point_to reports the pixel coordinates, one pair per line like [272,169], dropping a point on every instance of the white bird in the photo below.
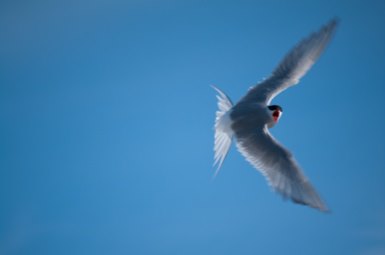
[250,119]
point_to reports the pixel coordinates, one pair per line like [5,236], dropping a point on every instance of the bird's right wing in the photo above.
[278,165]
[295,65]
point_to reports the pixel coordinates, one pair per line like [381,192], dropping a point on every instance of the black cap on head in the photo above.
[275,107]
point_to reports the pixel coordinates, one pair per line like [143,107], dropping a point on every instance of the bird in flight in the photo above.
[249,121]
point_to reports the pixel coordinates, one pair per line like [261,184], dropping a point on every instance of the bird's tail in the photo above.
[223,132]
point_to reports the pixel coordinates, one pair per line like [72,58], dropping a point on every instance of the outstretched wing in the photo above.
[278,165]
[295,64]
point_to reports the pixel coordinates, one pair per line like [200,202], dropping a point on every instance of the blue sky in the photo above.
[106,127]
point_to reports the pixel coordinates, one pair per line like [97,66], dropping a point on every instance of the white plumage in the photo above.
[249,120]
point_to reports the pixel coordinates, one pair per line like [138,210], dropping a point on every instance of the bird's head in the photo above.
[275,111]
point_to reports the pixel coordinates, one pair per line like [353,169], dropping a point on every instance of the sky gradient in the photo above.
[106,128]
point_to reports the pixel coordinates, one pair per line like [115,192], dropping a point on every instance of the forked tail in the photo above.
[223,132]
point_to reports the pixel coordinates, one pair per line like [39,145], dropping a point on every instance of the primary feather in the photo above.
[293,66]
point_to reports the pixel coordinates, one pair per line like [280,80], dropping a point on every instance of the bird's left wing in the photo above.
[278,165]
[294,65]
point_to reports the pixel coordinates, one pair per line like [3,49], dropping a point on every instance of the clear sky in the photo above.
[106,127]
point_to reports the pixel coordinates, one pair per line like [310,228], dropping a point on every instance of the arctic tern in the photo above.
[250,119]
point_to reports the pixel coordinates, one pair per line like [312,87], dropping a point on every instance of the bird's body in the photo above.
[249,121]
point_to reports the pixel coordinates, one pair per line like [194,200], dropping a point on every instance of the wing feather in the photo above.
[294,65]
[278,166]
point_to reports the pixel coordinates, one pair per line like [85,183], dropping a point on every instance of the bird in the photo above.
[249,120]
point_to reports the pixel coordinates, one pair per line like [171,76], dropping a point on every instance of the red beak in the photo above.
[276,114]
